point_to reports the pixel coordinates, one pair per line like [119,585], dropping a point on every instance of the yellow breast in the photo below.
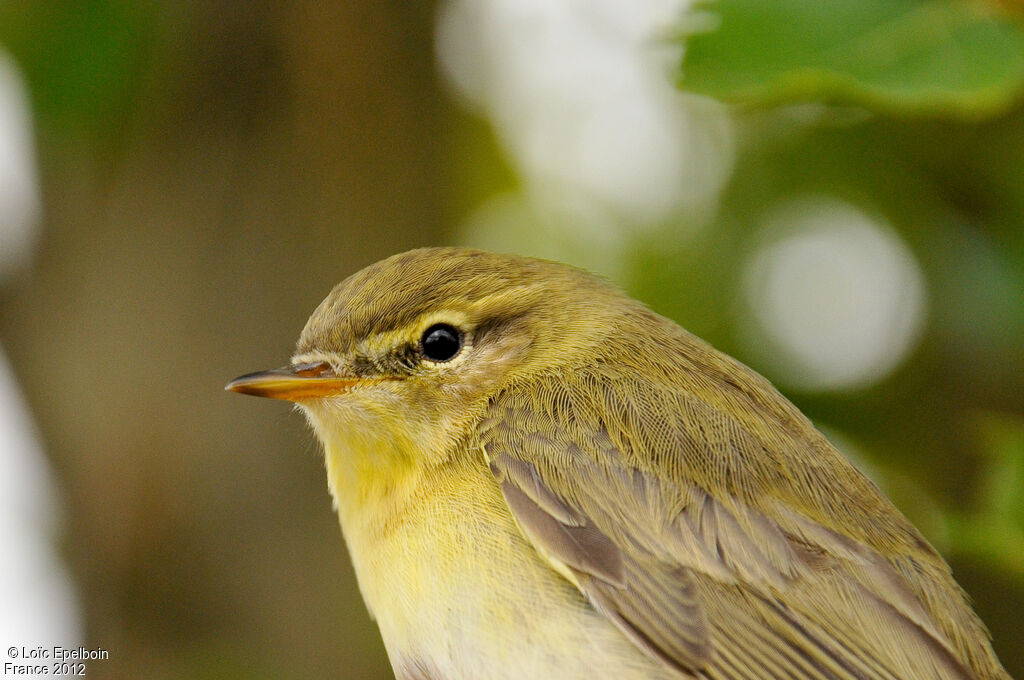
[455,587]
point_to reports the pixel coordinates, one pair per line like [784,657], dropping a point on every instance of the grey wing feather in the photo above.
[713,588]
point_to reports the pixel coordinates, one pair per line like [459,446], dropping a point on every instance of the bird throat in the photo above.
[372,481]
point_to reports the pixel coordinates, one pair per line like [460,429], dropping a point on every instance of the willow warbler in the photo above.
[539,477]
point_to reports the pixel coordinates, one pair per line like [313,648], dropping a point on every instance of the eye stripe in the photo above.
[408,356]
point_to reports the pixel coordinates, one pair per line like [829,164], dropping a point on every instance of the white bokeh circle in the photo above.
[837,298]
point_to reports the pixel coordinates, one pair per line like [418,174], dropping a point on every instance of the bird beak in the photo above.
[294,383]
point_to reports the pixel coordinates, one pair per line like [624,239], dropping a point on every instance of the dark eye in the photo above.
[441,342]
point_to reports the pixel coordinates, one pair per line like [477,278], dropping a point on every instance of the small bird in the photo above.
[539,477]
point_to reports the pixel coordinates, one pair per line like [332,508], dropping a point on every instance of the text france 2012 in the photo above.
[56,660]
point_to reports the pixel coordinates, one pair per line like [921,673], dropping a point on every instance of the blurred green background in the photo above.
[850,222]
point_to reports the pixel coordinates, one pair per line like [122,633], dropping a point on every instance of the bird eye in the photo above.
[441,342]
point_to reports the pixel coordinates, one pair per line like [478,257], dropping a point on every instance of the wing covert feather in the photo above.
[701,558]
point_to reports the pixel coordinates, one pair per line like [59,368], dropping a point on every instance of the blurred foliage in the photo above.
[86,61]
[905,56]
[995,532]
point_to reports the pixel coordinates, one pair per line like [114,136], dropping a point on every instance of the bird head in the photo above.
[404,354]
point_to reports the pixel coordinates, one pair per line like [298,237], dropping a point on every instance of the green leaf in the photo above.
[998,545]
[1002,482]
[994,530]
[899,56]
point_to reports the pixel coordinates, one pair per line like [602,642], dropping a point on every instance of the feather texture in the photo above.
[692,529]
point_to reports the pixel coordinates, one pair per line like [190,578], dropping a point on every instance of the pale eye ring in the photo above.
[441,342]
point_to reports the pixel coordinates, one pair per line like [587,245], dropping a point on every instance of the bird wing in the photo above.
[657,517]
